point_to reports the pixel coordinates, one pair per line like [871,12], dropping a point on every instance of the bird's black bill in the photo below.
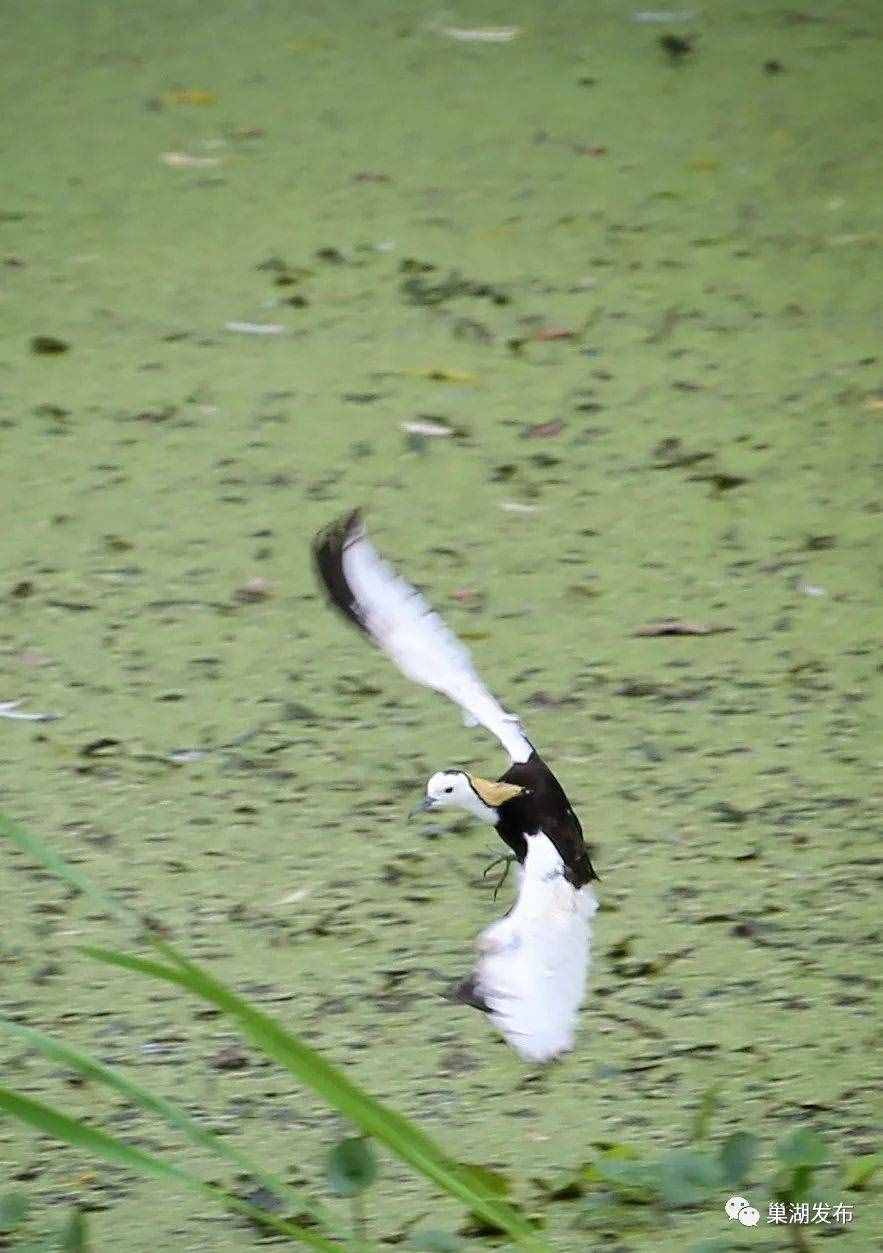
[425,806]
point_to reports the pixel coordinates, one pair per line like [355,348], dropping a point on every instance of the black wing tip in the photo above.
[336,534]
[467,993]
[328,549]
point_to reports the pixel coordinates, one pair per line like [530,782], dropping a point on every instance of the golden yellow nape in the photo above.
[494,794]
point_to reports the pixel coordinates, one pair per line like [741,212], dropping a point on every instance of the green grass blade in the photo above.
[173,1114]
[42,852]
[99,1144]
[399,1134]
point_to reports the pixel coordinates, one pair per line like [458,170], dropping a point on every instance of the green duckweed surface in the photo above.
[643,291]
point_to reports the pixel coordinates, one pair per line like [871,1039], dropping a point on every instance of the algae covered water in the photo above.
[587,316]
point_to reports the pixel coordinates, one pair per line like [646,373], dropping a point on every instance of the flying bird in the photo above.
[531,968]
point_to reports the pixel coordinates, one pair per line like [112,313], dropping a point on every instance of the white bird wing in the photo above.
[532,965]
[400,622]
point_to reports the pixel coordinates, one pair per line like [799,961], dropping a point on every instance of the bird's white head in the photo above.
[456,789]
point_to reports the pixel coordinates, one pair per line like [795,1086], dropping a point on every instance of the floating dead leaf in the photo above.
[154,415]
[543,430]
[104,747]
[722,482]
[229,1058]
[32,658]
[186,161]
[48,346]
[294,898]
[241,133]
[674,626]
[117,544]
[676,46]
[440,374]
[253,591]
[22,590]
[371,176]
[670,454]
[189,96]
[549,334]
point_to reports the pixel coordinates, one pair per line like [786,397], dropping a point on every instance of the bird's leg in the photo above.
[507,860]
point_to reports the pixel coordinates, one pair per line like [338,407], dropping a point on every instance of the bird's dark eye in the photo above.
[449,790]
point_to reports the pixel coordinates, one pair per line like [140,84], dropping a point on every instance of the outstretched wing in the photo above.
[531,971]
[400,622]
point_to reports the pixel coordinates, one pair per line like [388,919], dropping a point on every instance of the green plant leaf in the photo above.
[605,1212]
[98,1143]
[737,1153]
[398,1133]
[709,1103]
[687,1177]
[483,1179]
[352,1166]
[13,1210]
[612,1152]
[858,1173]
[803,1148]
[434,1242]
[74,1236]
[176,1117]
[567,1188]
[636,1182]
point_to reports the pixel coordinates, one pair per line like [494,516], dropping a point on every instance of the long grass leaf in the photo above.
[173,1114]
[99,1144]
[42,852]
[398,1133]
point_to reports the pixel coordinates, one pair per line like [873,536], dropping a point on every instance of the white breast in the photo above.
[533,963]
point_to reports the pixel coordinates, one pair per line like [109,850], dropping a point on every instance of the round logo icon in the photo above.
[748,1216]
[735,1205]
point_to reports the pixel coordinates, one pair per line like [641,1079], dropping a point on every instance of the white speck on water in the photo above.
[255,328]
[663,16]
[516,506]
[479,34]
[434,430]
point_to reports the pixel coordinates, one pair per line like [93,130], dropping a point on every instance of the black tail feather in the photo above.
[328,549]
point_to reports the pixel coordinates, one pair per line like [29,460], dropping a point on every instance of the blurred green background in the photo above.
[630,297]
